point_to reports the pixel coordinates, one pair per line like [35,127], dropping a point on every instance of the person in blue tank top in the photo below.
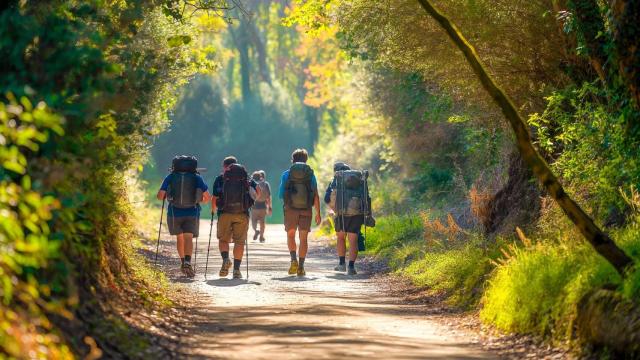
[184,223]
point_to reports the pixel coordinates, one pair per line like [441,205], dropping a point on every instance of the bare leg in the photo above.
[291,239]
[223,246]
[263,226]
[342,246]
[188,243]
[238,251]
[303,243]
[353,246]
[254,222]
[180,245]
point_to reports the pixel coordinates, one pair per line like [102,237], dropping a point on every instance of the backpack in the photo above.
[264,191]
[298,193]
[235,190]
[184,164]
[351,194]
[183,191]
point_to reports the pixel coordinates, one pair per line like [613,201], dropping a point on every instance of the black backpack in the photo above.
[235,190]
[298,192]
[183,189]
[184,163]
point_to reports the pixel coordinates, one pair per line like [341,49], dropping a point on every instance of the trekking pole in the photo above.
[195,250]
[247,250]
[155,262]
[206,265]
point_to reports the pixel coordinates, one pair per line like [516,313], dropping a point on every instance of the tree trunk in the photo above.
[241,40]
[596,237]
[591,25]
[259,45]
[626,35]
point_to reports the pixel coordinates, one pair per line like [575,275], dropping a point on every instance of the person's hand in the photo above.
[318,218]
[331,212]
[269,210]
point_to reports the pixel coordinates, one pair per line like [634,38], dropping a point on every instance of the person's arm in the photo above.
[162,193]
[283,179]
[205,190]
[254,185]
[316,199]
[316,204]
[268,200]
[205,197]
[214,196]
[327,193]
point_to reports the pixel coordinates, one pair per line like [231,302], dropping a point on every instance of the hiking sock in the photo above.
[236,264]
[293,255]
[341,260]
[352,263]
[187,259]
[301,262]
[224,254]
[182,261]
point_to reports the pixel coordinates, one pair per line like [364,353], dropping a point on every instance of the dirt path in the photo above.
[325,315]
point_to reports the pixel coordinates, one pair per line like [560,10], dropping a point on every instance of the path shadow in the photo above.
[231,282]
[184,280]
[340,276]
[295,278]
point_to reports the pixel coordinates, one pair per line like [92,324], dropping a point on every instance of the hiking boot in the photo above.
[188,270]
[301,271]
[293,269]
[237,274]
[341,267]
[255,235]
[224,270]
[352,271]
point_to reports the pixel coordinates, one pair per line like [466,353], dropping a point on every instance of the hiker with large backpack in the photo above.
[184,189]
[233,195]
[262,206]
[348,197]
[299,192]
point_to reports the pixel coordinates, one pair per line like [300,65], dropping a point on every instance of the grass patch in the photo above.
[457,270]
[537,289]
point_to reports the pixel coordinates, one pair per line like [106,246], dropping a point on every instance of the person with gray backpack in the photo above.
[262,206]
[299,192]
[348,197]
[184,189]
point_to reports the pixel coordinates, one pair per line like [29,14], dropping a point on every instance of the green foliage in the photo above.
[107,74]
[537,289]
[459,273]
[590,147]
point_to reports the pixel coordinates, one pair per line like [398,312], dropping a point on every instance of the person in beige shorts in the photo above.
[262,206]
[299,192]
[233,216]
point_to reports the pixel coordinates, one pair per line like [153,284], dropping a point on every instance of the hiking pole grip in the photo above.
[155,262]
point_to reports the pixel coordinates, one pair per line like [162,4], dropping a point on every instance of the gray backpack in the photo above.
[298,193]
[351,194]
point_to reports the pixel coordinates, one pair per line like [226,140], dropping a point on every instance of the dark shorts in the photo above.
[352,224]
[297,219]
[183,224]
